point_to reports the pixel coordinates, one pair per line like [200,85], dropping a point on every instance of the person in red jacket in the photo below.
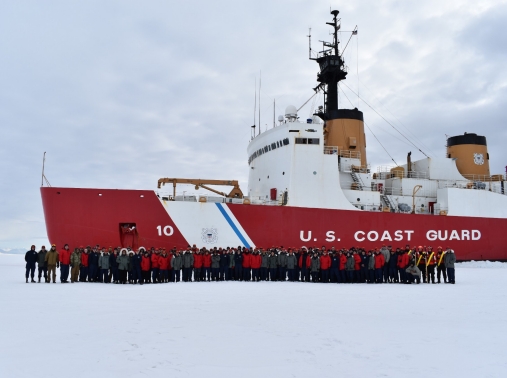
[357,266]
[197,264]
[163,266]
[83,274]
[303,265]
[325,263]
[64,257]
[255,263]
[145,268]
[154,265]
[379,264]
[206,265]
[247,265]
[343,262]
[403,261]
[309,261]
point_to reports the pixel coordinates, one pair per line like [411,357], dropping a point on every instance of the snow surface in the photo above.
[482,264]
[259,330]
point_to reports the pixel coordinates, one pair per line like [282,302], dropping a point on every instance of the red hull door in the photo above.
[137,218]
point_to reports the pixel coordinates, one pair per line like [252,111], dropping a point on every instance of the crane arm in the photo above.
[235,192]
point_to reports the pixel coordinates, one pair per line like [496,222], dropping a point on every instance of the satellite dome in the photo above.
[291,111]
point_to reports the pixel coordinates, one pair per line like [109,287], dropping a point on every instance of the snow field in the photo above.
[247,329]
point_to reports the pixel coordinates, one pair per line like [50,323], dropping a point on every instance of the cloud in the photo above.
[121,93]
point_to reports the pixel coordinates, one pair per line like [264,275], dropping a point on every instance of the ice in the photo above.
[13,250]
[259,330]
[482,264]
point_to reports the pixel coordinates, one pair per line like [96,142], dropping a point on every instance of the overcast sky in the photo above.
[121,93]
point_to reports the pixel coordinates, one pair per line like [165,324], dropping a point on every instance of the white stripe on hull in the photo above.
[204,224]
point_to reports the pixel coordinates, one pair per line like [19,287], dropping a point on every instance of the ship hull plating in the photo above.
[139,218]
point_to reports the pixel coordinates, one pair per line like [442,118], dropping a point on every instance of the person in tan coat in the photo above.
[53,262]
[75,263]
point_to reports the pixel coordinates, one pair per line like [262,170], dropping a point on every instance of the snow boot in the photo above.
[26,279]
[33,281]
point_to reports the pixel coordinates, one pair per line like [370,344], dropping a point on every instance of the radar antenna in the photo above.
[332,70]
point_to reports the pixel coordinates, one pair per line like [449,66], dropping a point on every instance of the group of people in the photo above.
[156,265]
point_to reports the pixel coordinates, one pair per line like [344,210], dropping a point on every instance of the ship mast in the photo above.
[332,70]
[343,128]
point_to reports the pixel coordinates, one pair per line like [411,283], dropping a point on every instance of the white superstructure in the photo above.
[290,166]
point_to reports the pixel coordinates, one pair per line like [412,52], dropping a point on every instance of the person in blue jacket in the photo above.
[135,260]
[93,265]
[113,265]
[363,271]
[393,266]
[224,265]
[238,265]
[335,267]
[30,258]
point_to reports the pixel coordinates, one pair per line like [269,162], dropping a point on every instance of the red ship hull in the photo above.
[99,216]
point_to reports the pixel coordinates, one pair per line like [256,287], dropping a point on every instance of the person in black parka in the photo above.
[31,259]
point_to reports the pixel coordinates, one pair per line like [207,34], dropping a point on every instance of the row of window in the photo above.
[269,147]
[307,141]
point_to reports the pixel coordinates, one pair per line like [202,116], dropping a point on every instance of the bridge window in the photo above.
[267,148]
[301,141]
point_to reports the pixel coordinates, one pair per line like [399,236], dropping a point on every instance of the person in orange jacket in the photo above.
[64,256]
[430,264]
[421,259]
[439,256]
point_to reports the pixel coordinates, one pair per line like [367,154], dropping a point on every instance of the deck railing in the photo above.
[334,150]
